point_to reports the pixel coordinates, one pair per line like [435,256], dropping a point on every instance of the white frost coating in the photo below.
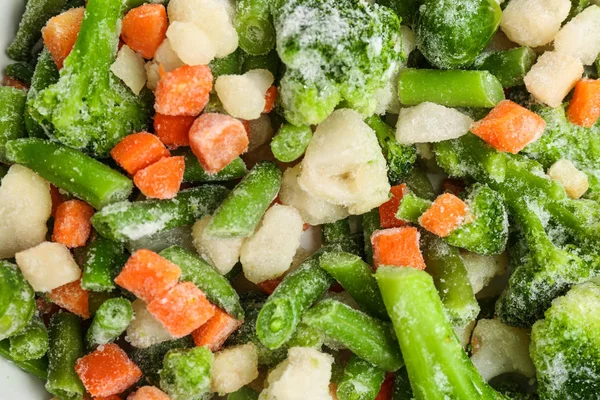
[269,252]
[233,368]
[533,22]
[573,180]
[431,123]
[223,254]
[305,374]
[464,333]
[145,330]
[552,77]
[48,266]
[25,206]
[481,269]
[500,349]
[191,44]
[166,56]
[344,165]
[129,66]
[261,131]
[243,96]
[580,37]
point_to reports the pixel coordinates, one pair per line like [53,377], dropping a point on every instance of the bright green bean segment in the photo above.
[12,109]
[110,321]
[103,260]
[186,373]
[361,380]
[255,26]
[17,300]
[290,142]
[31,343]
[195,173]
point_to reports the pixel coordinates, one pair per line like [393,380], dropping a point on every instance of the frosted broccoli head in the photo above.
[565,346]
[334,51]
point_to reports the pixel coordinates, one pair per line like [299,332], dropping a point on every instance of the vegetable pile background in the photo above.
[162,162]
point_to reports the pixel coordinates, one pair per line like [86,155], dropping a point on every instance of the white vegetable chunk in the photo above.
[580,37]
[481,269]
[344,165]
[464,333]
[223,254]
[429,122]
[192,44]
[48,266]
[152,75]
[552,77]
[269,252]
[243,96]
[500,349]
[25,206]
[166,56]
[129,66]
[534,22]
[145,330]
[233,368]
[573,180]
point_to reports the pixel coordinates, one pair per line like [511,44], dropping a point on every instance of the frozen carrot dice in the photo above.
[445,214]
[144,28]
[397,246]
[173,131]
[584,109]
[216,330]
[72,225]
[60,34]
[270,98]
[184,91]
[113,397]
[72,297]
[162,179]
[388,210]
[137,151]
[148,393]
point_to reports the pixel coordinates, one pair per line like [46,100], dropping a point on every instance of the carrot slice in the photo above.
[144,28]
[397,246]
[445,214]
[388,210]
[57,199]
[509,127]
[584,109]
[162,179]
[148,275]
[107,371]
[184,91]
[148,393]
[182,310]
[60,34]
[137,151]
[173,131]
[72,297]
[387,386]
[217,139]
[72,225]
[270,98]
[216,330]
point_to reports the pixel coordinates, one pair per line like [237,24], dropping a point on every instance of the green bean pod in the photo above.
[17,300]
[254,26]
[103,259]
[21,71]
[44,75]
[186,373]
[110,321]
[12,109]
[269,61]
[31,343]
[37,368]
[361,380]
[195,173]
[150,359]
[370,223]
[335,232]
[412,207]
[228,65]
[509,66]
[290,142]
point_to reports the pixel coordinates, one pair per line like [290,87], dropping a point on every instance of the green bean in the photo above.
[150,359]
[370,223]
[131,221]
[195,173]
[66,347]
[402,389]
[37,13]
[290,142]
[356,277]
[335,231]
[216,287]
[44,75]
[245,393]
[37,368]
[418,182]
[31,343]
[103,260]
[454,88]
[186,373]
[21,71]
[361,380]
[228,65]
[254,26]
[510,66]
[412,207]
[405,9]
[96,299]
[17,300]
[242,210]
[180,236]
[269,61]
[12,109]
[110,321]
[71,170]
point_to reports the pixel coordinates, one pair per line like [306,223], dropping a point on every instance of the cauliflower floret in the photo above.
[223,254]
[481,269]
[166,56]
[429,122]
[47,266]
[129,66]
[534,22]
[191,44]
[580,37]
[243,96]
[234,367]
[145,330]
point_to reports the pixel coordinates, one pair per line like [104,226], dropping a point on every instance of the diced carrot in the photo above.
[72,297]
[398,247]
[269,286]
[184,91]
[270,98]
[144,28]
[509,127]
[454,186]
[148,275]
[445,214]
[387,386]
[15,83]
[173,131]
[113,397]
[72,225]
[584,109]
[60,34]
[182,310]
[137,151]
[217,139]
[148,393]
[216,330]
[57,199]
[388,210]
[107,371]
[162,179]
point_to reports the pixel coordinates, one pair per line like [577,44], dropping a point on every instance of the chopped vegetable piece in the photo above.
[148,393]
[584,109]
[445,214]
[431,123]
[20,71]
[578,37]
[229,65]
[17,300]
[509,66]
[12,108]
[144,28]
[216,330]
[162,179]
[361,380]
[145,331]
[72,298]
[37,367]
[574,181]
[191,43]
[290,142]
[48,266]
[186,373]
[72,224]
[173,130]
[103,261]
[223,254]
[255,27]
[534,22]
[138,151]
[45,74]
[233,368]
[388,210]
[110,321]
[195,173]
[244,96]
[184,91]
[129,66]
[60,34]
[31,343]
[397,246]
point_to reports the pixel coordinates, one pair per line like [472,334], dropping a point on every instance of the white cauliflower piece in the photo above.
[431,123]
[481,269]
[223,254]
[145,330]
[152,75]
[243,96]
[166,56]
[192,45]
[580,37]
[464,333]
[47,266]
[129,66]
[233,368]
[573,180]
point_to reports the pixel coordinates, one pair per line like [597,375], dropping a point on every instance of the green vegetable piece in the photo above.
[31,343]
[214,285]
[45,74]
[12,107]
[150,359]
[17,300]
[254,26]
[186,373]
[336,231]
[290,142]
[131,221]
[412,207]
[242,210]
[451,34]
[37,13]
[269,61]
[509,66]
[66,347]
[195,173]
[577,6]
[245,393]
[402,389]
[228,65]
[370,223]
[180,236]
[103,260]
[110,321]
[449,88]
[437,365]
[361,380]
[418,182]
[71,170]
[406,10]
[37,368]
[20,71]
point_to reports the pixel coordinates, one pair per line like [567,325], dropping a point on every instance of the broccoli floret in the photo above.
[334,51]
[565,346]
[89,108]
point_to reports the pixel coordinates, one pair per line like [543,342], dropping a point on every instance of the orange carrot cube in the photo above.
[107,371]
[173,131]
[584,109]
[509,127]
[162,179]
[113,397]
[72,225]
[445,214]
[137,151]
[397,246]
[184,91]
[217,139]
[388,210]
[148,393]
[144,28]
[216,330]
[270,98]
[182,310]
[72,297]
[148,275]
[60,34]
